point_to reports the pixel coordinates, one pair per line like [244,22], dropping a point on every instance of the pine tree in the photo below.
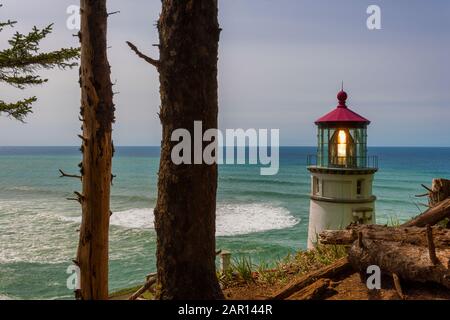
[20,62]
[185,212]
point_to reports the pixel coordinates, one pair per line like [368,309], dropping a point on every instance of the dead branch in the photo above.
[151,280]
[65,175]
[153,62]
[82,138]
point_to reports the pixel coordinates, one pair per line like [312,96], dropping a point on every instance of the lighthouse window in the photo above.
[342,149]
[359,187]
[316,187]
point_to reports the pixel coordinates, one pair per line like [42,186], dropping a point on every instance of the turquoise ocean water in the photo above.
[263,217]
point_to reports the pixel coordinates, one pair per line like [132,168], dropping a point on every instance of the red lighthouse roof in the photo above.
[342,113]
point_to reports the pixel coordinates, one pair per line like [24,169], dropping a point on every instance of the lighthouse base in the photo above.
[329,215]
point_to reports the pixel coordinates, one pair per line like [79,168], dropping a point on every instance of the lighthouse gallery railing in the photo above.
[369,162]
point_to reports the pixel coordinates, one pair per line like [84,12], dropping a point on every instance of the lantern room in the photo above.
[342,138]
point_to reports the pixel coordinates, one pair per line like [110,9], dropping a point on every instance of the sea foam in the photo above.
[50,237]
[231,220]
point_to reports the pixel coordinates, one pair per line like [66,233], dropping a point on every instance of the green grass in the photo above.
[244,272]
[444,223]
[394,221]
[244,268]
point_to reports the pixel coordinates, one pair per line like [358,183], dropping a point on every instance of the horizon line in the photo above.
[158,146]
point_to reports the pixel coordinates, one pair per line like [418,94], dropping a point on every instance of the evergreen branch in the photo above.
[8,23]
[22,81]
[18,110]
[23,53]
[24,61]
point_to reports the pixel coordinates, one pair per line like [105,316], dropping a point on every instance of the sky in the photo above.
[281,64]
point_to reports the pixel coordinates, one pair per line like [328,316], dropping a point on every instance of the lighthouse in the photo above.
[341,172]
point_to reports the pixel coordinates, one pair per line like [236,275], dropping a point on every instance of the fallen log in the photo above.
[411,262]
[431,216]
[314,291]
[337,268]
[151,280]
[413,235]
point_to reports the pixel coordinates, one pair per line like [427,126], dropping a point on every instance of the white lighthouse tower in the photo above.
[341,173]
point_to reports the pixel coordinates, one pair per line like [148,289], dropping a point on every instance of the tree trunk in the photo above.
[186,208]
[97,111]
[409,262]
[414,235]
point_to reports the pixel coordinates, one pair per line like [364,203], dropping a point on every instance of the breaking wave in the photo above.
[232,219]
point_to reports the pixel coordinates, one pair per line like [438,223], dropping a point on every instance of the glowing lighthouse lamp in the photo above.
[341,173]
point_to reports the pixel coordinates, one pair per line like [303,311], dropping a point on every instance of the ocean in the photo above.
[261,217]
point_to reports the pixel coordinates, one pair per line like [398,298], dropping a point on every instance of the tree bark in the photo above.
[440,190]
[97,112]
[413,235]
[186,208]
[431,216]
[410,262]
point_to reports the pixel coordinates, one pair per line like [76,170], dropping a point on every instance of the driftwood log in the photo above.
[431,216]
[339,267]
[413,235]
[314,291]
[410,262]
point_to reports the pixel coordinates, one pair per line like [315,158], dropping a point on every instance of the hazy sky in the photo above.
[281,64]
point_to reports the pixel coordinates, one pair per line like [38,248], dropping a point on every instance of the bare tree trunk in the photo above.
[97,111]
[185,213]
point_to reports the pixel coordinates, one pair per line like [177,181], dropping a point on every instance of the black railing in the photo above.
[369,162]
